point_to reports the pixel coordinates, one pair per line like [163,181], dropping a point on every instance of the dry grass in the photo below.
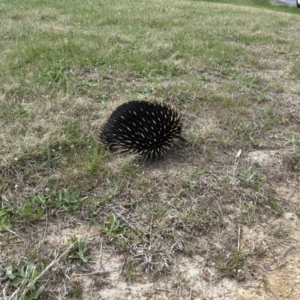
[216,218]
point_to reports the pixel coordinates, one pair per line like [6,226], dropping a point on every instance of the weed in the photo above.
[260,97]
[113,227]
[84,87]
[75,291]
[131,204]
[20,110]
[128,169]
[63,198]
[256,142]
[231,264]
[292,162]
[265,282]
[159,211]
[251,178]
[6,218]
[72,129]
[270,112]
[80,250]
[23,276]
[292,141]
[33,209]
[55,74]
[113,190]
[249,212]
[195,179]
[103,98]
[129,274]
[241,127]
[280,231]
[273,203]
[95,158]
[259,252]
[249,80]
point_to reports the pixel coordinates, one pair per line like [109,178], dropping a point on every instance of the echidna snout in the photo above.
[142,127]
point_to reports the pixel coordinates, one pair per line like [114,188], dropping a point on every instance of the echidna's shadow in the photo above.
[175,156]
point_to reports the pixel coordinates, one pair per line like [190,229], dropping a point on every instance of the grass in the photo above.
[231,67]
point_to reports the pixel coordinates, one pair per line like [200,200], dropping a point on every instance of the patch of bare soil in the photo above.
[191,277]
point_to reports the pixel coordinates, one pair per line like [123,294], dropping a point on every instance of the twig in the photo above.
[239,236]
[286,251]
[121,217]
[253,242]
[3,292]
[132,292]
[100,254]
[101,296]
[220,208]
[96,272]
[292,289]
[13,232]
[164,290]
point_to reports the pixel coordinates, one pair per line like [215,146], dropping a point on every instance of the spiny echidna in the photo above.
[142,127]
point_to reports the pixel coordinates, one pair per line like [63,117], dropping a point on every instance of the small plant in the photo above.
[256,142]
[75,291]
[259,252]
[252,178]
[260,97]
[159,211]
[80,250]
[55,74]
[114,189]
[129,274]
[33,209]
[272,202]
[193,181]
[20,110]
[292,162]
[249,213]
[72,128]
[265,282]
[131,204]
[128,168]
[231,264]
[24,276]
[292,141]
[113,227]
[6,219]
[63,198]
[240,127]
[270,112]
[280,231]
[95,158]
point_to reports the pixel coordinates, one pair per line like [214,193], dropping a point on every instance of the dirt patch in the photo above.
[191,277]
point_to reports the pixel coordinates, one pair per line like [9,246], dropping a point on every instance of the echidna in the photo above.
[142,127]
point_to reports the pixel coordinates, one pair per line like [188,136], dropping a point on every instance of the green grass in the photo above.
[265,4]
[231,67]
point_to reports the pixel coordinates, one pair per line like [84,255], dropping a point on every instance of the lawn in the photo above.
[216,218]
